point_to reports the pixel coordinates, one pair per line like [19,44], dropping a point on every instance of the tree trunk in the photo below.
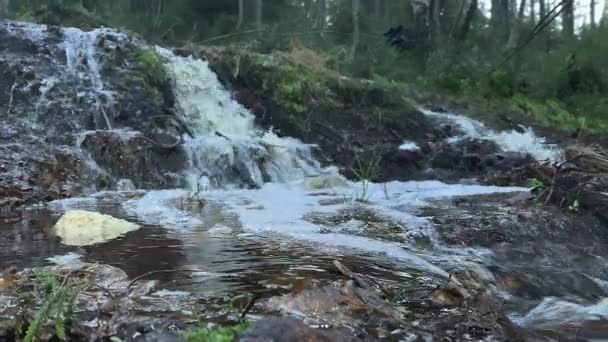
[592,13]
[435,13]
[500,18]
[378,9]
[568,18]
[458,18]
[516,26]
[542,9]
[259,9]
[604,20]
[468,20]
[322,19]
[356,34]
[239,21]
[533,12]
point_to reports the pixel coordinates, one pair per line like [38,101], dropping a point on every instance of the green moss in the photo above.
[222,334]
[295,86]
[151,67]
[552,113]
[149,70]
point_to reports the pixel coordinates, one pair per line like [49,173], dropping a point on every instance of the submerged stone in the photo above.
[83,228]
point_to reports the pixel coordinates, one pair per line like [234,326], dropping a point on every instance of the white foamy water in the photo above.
[228,150]
[409,146]
[554,312]
[511,141]
[281,209]
[162,207]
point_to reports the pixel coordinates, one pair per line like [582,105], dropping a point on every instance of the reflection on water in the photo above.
[216,257]
[210,262]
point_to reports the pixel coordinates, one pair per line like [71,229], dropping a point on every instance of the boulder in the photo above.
[84,228]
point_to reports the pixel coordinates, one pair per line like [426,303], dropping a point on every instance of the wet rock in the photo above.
[537,251]
[325,182]
[82,228]
[289,330]
[446,298]
[510,160]
[111,306]
[129,154]
[463,158]
[59,82]
[340,304]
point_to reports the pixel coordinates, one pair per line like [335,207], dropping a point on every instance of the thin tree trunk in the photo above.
[605,13]
[377,9]
[322,19]
[533,12]
[456,22]
[516,28]
[500,18]
[259,9]
[356,33]
[592,13]
[568,18]
[434,20]
[542,9]
[468,20]
[239,21]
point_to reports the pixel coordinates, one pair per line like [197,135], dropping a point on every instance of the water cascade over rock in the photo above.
[227,148]
[67,98]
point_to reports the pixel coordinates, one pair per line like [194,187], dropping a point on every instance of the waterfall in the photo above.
[227,149]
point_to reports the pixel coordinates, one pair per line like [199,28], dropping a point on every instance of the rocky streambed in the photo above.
[256,186]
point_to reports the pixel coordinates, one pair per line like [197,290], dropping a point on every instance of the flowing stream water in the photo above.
[271,213]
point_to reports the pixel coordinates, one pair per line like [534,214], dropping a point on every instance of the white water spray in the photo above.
[511,141]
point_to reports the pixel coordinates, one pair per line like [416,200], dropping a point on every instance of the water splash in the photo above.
[555,312]
[228,149]
[409,146]
[513,141]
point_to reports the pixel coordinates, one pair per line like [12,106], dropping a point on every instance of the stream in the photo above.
[258,211]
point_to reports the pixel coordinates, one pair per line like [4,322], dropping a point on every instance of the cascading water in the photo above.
[513,141]
[228,150]
[82,62]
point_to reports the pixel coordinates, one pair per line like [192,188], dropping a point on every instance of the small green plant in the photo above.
[537,187]
[366,172]
[221,334]
[535,184]
[58,300]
